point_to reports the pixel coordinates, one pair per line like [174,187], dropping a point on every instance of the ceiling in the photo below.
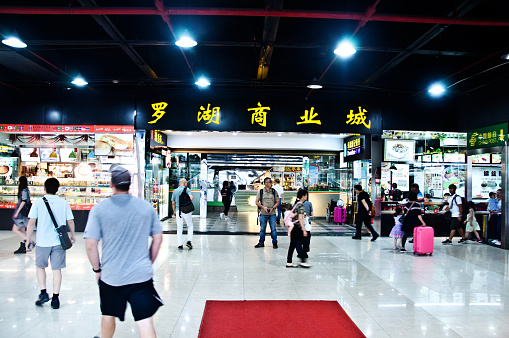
[402,46]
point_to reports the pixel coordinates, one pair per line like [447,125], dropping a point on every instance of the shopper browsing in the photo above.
[280,192]
[20,215]
[396,231]
[471,223]
[298,232]
[226,197]
[267,201]
[363,213]
[124,271]
[456,209]
[48,245]
[182,216]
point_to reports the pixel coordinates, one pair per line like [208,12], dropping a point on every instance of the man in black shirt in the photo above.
[363,213]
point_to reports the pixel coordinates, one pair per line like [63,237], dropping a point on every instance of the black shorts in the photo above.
[142,297]
[455,223]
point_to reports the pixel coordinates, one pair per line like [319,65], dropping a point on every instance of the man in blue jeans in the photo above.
[267,201]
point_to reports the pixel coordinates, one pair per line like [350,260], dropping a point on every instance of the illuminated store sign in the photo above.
[491,136]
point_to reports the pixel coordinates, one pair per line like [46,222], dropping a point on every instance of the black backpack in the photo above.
[464,204]
[185,203]
[396,195]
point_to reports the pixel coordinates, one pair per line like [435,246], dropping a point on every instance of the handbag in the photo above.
[65,241]
[403,217]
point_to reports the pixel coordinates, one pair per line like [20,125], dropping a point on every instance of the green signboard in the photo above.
[491,136]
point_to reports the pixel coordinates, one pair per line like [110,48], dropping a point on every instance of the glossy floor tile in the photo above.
[460,291]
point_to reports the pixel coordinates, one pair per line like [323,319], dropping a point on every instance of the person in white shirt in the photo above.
[280,191]
[456,209]
[47,241]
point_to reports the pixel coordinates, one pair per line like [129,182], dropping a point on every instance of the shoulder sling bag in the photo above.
[403,217]
[65,241]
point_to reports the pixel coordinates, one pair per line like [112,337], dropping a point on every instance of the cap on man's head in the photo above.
[120,176]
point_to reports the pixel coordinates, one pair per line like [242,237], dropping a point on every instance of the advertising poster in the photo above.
[454,175]
[485,180]
[69,155]
[399,150]
[50,155]
[401,177]
[434,180]
[114,145]
[30,155]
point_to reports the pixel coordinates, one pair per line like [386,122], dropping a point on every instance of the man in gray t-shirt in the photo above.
[124,272]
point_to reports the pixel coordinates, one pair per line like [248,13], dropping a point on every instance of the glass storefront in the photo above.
[78,156]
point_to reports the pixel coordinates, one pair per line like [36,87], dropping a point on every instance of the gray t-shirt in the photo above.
[124,223]
[308,208]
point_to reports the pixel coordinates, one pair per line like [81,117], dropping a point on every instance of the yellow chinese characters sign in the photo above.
[209,115]
[309,117]
[358,118]
[259,115]
[159,111]
[487,137]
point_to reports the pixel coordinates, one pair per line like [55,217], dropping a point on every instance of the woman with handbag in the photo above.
[411,218]
[20,216]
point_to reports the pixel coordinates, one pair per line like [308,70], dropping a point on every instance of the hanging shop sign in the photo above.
[357,148]
[491,136]
[226,112]
[157,138]
[291,169]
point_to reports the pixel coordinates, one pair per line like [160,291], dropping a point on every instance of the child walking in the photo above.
[471,222]
[396,231]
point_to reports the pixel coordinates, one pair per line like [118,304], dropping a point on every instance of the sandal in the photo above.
[291,265]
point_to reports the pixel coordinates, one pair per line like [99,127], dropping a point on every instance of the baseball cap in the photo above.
[119,175]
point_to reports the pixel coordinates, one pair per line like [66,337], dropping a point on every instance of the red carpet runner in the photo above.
[268,318]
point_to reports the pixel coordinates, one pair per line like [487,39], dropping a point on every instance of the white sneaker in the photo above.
[221,216]
[226,218]
[496,242]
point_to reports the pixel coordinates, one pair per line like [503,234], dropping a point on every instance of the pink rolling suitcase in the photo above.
[339,215]
[423,240]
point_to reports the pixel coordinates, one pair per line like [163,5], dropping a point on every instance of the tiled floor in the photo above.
[246,223]
[462,290]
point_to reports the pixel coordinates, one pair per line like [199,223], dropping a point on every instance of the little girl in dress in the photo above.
[396,231]
[471,223]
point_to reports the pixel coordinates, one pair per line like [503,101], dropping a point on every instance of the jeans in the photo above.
[367,222]
[279,211]
[263,227]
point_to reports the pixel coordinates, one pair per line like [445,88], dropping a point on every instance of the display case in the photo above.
[81,195]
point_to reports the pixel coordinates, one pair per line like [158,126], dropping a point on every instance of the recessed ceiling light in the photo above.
[186,42]
[436,89]
[279,134]
[505,56]
[14,41]
[202,82]
[345,49]
[234,134]
[314,84]
[79,81]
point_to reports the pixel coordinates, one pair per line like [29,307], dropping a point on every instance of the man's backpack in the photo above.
[464,204]
[185,203]
[396,195]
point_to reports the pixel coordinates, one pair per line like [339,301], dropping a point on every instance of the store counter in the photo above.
[431,218]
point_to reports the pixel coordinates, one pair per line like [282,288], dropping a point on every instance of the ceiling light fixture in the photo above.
[79,81]
[505,56]
[186,42]
[345,49]
[14,41]
[436,89]
[279,134]
[202,82]
[315,84]
[234,133]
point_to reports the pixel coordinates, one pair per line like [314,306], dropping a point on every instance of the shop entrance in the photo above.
[321,171]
